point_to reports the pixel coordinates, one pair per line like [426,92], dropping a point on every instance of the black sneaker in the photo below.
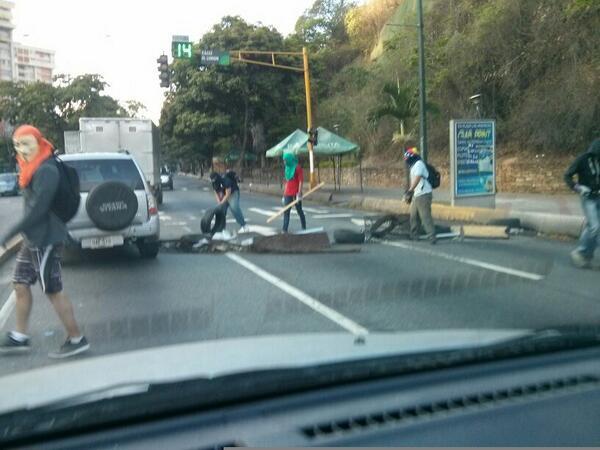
[11,346]
[69,349]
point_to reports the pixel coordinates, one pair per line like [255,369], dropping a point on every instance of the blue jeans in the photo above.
[286,215]
[589,237]
[234,203]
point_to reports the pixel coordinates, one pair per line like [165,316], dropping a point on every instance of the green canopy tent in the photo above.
[295,143]
[329,145]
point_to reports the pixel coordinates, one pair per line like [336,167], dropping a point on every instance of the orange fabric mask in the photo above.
[28,166]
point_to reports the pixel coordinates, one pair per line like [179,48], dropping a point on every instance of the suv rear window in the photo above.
[93,172]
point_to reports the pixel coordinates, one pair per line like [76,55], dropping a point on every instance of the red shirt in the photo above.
[293,186]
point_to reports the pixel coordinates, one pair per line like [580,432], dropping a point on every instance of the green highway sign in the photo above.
[182,50]
[213,57]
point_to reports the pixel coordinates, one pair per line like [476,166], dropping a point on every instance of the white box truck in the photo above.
[139,137]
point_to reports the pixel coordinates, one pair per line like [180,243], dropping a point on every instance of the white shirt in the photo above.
[420,169]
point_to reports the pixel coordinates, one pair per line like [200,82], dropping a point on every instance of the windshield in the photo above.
[94,172]
[303,182]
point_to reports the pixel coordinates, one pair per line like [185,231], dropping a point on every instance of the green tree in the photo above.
[323,24]
[400,103]
[243,102]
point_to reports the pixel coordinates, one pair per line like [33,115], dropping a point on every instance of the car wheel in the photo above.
[148,249]
[112,206]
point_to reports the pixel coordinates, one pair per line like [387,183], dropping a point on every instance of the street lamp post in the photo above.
[422,84]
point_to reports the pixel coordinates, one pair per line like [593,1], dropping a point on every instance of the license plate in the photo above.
[102,242]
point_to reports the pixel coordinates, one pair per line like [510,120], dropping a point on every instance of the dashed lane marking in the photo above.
[332,216]
[468,261]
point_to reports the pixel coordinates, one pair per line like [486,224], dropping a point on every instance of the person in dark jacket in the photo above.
[227,193]
[587,169]
[44,235]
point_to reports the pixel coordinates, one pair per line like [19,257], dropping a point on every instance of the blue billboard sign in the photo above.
[473,143]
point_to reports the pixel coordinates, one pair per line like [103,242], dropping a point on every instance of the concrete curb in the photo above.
[13,247]
[554,224]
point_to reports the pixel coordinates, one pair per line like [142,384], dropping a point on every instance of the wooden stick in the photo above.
[281,211]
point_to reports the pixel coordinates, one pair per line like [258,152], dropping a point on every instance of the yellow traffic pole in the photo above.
[313,181]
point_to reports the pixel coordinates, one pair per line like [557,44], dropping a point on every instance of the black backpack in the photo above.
[67,198]
[434,178]
[232,176]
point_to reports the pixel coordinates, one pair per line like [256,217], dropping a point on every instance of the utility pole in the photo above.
[422,84]
[309,124]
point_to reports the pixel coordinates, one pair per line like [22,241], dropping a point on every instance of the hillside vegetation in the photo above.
[535,63]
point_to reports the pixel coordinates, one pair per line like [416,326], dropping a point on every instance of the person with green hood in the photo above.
[294,179]
[587,169]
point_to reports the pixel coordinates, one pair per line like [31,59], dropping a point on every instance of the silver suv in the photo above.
[117,205]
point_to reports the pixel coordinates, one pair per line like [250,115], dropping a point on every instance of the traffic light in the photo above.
[164,74]
[313,136]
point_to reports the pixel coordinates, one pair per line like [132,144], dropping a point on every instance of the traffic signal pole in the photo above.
[309,124]
[240,56]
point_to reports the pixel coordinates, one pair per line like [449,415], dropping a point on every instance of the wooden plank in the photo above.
[282,210]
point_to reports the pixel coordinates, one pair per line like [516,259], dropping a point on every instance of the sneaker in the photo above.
[11,346]
[244,229]
[579,260]
[69,349]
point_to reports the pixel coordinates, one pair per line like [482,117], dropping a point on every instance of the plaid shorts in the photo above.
[43,264]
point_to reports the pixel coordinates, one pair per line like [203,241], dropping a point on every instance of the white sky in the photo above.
[122,39]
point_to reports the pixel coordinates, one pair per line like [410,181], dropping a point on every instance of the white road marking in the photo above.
[315,210]
[187,229]
[264,212]
[165,217]
[309,301]
[332,216]
[184,189]
[358,222]
[469,261]
[7,309]
[193,218]
[265,231]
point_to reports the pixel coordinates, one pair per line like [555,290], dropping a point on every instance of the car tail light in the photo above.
[152,208]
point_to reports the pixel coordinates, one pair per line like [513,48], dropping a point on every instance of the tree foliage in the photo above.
[241,106]
[54,108]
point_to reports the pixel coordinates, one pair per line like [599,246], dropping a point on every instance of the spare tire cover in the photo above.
[112,206]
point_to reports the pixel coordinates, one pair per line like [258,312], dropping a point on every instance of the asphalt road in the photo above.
[125,303]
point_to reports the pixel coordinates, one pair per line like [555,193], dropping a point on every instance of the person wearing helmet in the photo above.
[587,169]
[39,258]
[419,196]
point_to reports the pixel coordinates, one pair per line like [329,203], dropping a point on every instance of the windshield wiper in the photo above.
[121,405]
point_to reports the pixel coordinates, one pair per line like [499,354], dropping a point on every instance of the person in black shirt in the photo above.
[587,169]
[227,193]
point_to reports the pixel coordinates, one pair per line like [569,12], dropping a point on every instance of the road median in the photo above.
[551,224]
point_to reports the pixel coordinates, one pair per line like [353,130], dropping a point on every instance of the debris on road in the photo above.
[481,231]
[307,241]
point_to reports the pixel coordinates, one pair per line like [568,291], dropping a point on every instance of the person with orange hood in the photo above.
[44,236]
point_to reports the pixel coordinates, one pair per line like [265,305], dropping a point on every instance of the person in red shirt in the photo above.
[294,176]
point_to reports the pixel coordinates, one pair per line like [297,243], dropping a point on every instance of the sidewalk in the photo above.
[562,204]
[550,214]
